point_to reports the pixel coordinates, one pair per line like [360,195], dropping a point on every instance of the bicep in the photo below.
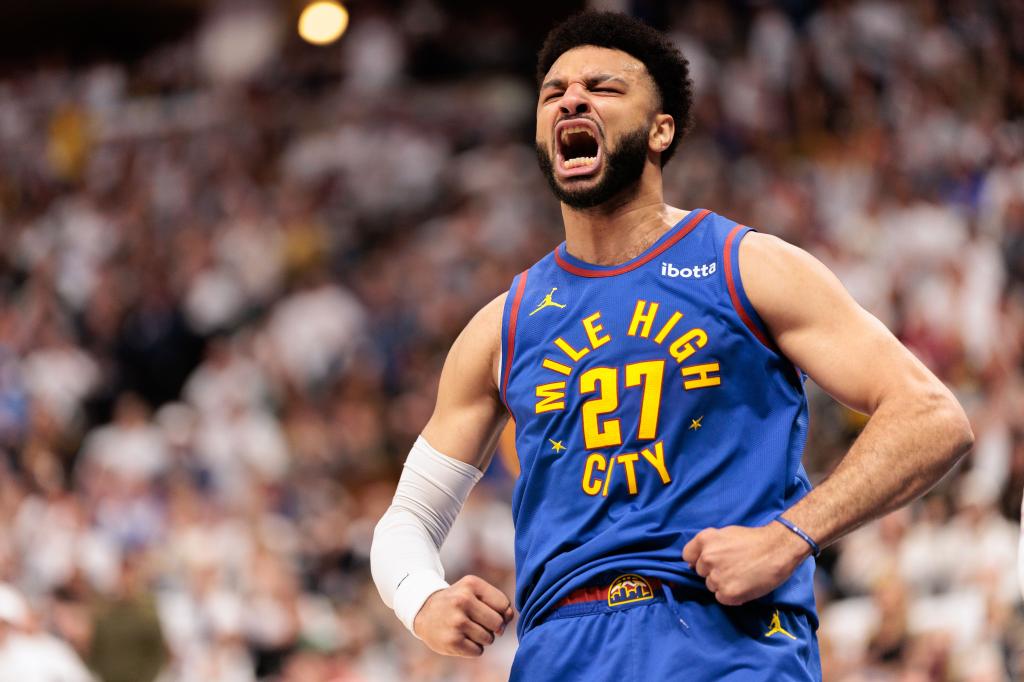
[823,330]
[469,415]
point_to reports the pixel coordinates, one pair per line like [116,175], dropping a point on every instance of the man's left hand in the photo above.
[740,563]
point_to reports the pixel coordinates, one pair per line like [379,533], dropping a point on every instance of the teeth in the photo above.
[581,161]
[568,130]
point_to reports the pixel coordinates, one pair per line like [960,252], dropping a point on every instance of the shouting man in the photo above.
[654,366]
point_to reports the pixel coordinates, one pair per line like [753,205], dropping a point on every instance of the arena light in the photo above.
[322,22]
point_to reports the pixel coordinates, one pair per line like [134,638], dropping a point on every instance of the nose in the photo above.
[574,101]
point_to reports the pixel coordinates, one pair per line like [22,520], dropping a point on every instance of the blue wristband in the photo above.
[815,549]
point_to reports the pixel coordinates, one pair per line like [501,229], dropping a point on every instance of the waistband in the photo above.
[631,590]
[625,591]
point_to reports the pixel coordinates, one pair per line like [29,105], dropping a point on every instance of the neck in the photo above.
[623,227]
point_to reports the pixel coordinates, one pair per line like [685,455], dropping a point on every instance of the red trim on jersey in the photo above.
[734,295]
[643,260]
[513,317]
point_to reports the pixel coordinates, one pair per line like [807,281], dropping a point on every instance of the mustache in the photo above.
[623,167]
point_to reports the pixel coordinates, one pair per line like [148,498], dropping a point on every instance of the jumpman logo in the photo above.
[547,302]
[775,627]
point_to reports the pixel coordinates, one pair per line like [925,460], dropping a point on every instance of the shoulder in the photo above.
[765,256]
[777,275]
[480,340]
[486,323]
[763,251]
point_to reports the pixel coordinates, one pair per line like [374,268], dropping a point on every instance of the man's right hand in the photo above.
[464,618]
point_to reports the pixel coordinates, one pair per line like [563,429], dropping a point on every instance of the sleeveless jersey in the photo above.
[649,403]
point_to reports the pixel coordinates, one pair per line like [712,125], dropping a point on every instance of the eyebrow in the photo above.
[589,80]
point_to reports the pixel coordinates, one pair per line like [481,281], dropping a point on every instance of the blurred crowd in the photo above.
[227,288]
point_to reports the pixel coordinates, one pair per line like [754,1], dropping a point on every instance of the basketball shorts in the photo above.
[658,633]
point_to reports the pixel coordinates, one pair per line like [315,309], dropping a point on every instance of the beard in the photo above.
[623,167]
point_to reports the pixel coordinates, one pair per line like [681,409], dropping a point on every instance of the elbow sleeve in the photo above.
[404,557]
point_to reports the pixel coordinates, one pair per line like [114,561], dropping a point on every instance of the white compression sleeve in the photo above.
[404,557]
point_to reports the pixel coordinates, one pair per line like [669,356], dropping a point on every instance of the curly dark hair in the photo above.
[666,65]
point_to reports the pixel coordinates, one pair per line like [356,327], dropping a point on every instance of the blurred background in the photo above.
[232,261]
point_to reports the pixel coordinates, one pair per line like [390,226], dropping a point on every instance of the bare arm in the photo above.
[468,415]
[463,618]
[916,432]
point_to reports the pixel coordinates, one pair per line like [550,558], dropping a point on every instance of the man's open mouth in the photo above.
[579,152]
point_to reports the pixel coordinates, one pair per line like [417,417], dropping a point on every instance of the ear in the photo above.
[663,130]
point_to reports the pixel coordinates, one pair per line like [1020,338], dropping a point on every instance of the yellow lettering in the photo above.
[591,486]
[608,478]
[681,348]
[701,371]
[550,397]
[650,374]
[657,460]
[570,351]
[644,318]
[672,322]
[593,483]
[628,461]
[597,434]
[590,323]
[556,366]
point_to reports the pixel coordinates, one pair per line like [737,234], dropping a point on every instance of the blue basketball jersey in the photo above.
[649,403]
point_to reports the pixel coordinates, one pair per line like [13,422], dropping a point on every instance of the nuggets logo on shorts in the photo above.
[629,588]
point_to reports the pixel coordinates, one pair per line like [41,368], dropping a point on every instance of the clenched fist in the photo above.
[464,618]
[740,563]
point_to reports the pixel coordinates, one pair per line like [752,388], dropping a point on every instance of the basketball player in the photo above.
[654,366]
